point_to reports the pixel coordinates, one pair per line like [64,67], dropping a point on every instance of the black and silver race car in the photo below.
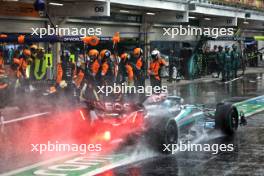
[165,119]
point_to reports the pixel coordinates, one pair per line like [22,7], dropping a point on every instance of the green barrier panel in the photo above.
[251,107]
[40,68]
[72,58]
[259,38]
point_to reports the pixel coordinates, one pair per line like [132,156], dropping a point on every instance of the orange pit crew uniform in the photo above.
[2,64]
[106,70]
[154,71]
[139,67]
[21,64]
[126,70]
[92,68]
[3,85]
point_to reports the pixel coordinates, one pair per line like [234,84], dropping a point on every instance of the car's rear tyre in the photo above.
[226,118]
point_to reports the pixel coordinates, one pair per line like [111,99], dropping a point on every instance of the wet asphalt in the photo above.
[248,155]
[246,159]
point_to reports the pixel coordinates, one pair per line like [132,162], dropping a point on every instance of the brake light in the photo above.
[107,136]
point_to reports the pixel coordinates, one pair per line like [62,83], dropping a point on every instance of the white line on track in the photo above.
[104,169]
[24,118]
[233,80]
[125,161]
[37,165]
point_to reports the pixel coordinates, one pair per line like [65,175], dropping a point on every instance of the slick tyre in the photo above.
[226,118]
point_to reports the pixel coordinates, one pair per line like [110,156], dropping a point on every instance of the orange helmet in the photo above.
[93,52]
[124,57]
[26,52]
[105,54]
[138,51]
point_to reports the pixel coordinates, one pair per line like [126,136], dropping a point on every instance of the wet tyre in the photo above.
[226,118]
[165,133]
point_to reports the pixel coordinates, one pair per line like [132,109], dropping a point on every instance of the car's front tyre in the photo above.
[226,118]
[164,134]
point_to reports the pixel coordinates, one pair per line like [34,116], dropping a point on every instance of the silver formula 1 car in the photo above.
[170,120]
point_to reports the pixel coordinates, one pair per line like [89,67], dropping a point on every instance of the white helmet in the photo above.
[155,54]
[63,84]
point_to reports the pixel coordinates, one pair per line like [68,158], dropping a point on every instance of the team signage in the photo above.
[81,9]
